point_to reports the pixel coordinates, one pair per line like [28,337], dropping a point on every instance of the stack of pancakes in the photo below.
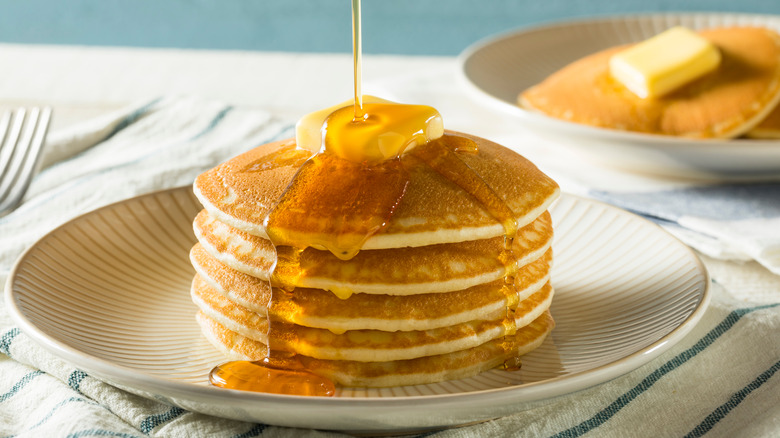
[737,99]
[423,301]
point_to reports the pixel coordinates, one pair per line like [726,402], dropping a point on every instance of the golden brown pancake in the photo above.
[322,309]
[769,128]
[427,369]
[434,210]
[400,271]
[723,104]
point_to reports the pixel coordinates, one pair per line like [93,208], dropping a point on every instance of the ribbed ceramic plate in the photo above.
[109,292]
[497,69]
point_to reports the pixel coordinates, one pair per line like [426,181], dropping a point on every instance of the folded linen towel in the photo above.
[721,380]
[735,221]
[155,145]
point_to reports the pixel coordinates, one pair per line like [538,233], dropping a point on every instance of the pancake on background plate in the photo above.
[424,300]
[726,103]
[769,128]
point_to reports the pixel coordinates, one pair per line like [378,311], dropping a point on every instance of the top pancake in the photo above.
[433,210]
[723,104]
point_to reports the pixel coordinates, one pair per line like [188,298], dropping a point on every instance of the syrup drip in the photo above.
[513,363]
[287,269]
[443,160]
[346,202]
[278,375]
[462,144]
[509,290]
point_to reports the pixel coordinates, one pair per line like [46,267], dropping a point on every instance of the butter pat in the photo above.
[308,130]
[385,131]
[664,62]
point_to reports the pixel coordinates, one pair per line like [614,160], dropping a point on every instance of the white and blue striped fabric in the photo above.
[722,380]
[739,221]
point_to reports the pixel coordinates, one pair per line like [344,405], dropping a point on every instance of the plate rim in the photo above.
[526,393]
[662,141]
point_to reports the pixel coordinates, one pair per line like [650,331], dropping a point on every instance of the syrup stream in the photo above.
[357,59]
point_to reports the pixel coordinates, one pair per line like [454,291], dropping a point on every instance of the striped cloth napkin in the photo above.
[721,380]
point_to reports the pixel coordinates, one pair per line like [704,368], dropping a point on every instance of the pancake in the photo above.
[723,104]
[322,309]
[365,345]
[769,128]
[241,192]
[427,369]
[445,289]
[400,271]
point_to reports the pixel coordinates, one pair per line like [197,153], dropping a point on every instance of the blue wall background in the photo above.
[424,27]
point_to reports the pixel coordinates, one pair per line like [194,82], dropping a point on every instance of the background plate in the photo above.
[497,69]
[109,292]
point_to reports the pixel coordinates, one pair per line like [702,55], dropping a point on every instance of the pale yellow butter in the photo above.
[664,62]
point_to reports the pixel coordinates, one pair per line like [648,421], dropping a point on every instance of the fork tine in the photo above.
[26,159]
[4,124]
[37,132]
[17,145]
[8,139]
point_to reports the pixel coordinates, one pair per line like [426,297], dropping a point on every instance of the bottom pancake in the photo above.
[428,369]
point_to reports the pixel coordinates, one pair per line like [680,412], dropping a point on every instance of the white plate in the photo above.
[109,292]
[497,69]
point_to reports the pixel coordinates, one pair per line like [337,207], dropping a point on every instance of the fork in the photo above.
[22,134]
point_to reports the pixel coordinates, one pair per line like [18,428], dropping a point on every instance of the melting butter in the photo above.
[309,129]
[665,62]
[384,131]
